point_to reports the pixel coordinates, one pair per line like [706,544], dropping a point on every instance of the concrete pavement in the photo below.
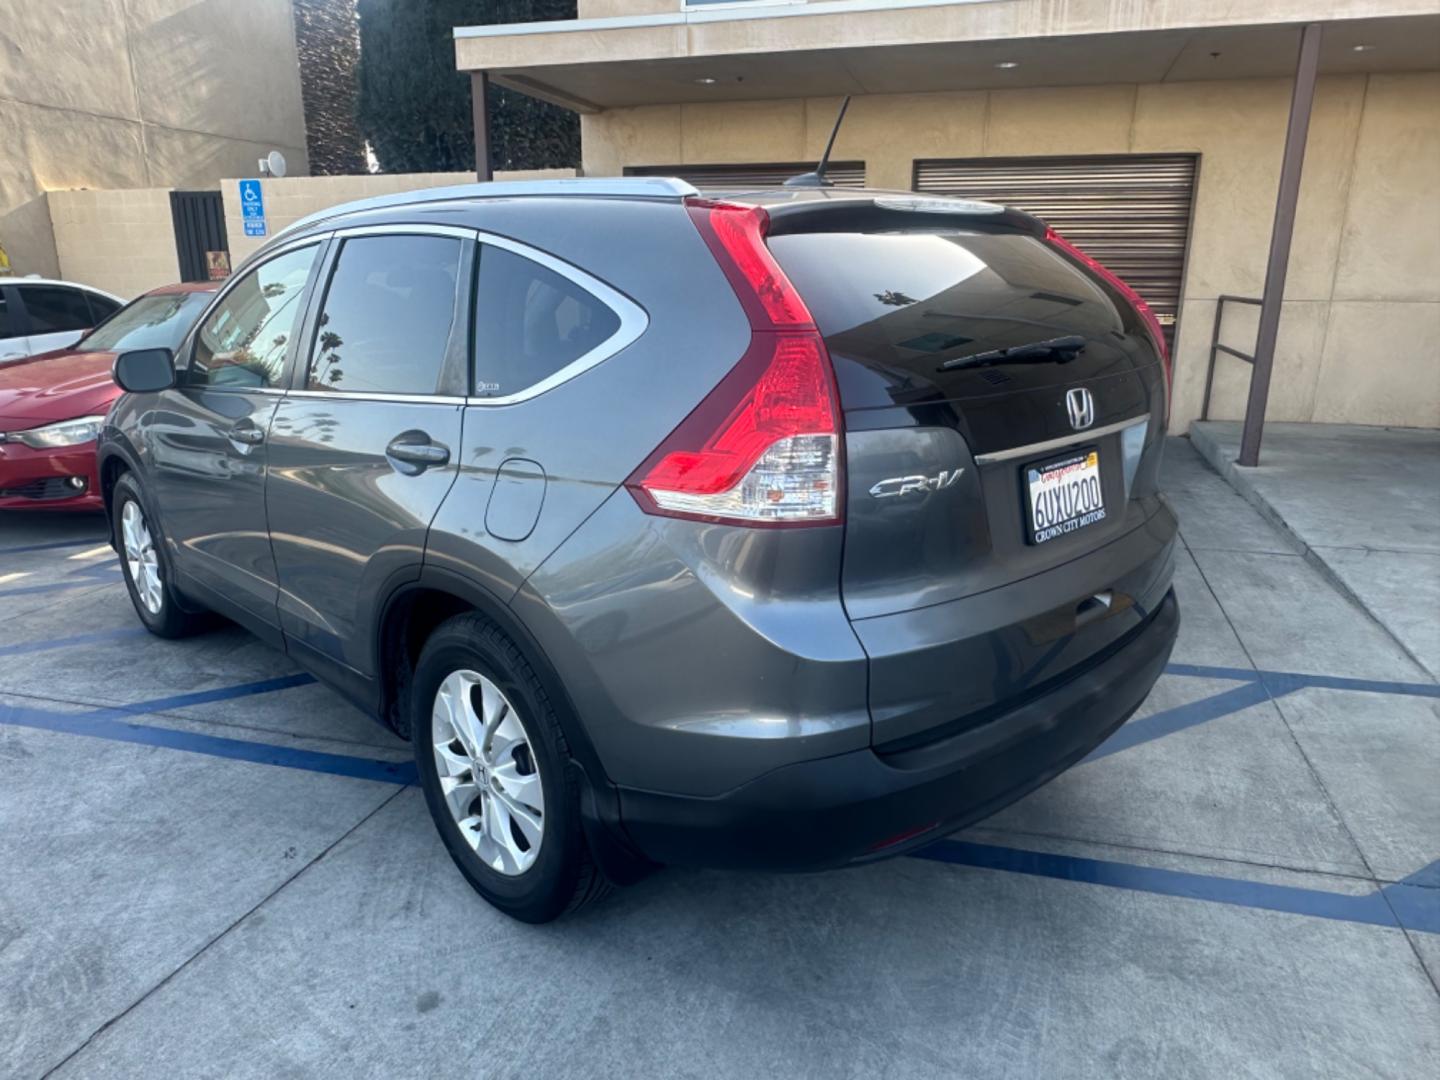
[209,871]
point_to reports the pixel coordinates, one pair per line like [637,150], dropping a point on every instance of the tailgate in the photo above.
[1004,414]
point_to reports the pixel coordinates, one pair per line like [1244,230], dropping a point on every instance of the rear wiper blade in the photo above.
[1061,349]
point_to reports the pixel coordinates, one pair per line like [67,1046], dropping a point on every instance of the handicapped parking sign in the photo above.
[252,207]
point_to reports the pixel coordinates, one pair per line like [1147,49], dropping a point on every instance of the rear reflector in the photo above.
[900,838]
[763,447]
[1147,317]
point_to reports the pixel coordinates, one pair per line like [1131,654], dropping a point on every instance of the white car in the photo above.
[37,315]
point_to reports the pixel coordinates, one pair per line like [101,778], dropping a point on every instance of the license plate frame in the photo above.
[1045,517]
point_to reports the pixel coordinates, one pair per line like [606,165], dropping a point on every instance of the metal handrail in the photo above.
[1216,347]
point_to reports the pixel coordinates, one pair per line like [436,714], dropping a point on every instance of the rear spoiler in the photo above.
[899,210]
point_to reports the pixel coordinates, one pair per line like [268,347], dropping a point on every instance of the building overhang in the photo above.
[788,50]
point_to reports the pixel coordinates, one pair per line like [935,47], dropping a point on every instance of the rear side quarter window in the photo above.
[535,325]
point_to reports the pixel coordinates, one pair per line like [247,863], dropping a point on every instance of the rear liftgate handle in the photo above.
[1094,607]
[412,452]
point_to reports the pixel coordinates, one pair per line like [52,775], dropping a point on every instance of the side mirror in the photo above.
[144,371]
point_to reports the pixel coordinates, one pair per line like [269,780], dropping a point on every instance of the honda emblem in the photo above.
[1081,406]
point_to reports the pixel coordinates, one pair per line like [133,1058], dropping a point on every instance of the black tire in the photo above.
[172,620]
[563,876]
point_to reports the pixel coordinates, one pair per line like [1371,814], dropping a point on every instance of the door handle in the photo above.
[246,432]
[415,450]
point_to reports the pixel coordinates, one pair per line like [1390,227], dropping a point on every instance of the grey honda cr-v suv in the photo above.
[785,529]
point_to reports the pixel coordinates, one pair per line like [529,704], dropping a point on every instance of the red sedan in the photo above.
[52,406]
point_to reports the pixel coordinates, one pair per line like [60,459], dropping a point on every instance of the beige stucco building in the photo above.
[946,86]
[144,95]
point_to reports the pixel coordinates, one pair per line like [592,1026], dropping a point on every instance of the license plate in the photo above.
[1065,495]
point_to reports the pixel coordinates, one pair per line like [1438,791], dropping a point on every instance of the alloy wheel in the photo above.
[488,772]
[140,557]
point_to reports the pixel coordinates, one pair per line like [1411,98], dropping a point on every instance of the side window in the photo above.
[243,342]
[8,327]
[101,308]
[531,322]
[386,319]
[53,309]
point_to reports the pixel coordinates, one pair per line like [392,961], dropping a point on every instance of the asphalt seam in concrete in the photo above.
[223,933]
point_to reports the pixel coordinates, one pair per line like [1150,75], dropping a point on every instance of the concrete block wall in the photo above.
[119,241]
[289,199]
[143,94]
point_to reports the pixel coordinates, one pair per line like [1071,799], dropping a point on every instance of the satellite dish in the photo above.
[273,164]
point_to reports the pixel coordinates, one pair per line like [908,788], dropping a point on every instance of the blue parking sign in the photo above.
[252,199]
[252,207]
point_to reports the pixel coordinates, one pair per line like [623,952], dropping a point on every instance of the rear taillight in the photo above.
[763,447]
[1147,317]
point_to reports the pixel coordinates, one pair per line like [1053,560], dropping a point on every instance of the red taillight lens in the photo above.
[1147,317]
[763,448]
[736,237]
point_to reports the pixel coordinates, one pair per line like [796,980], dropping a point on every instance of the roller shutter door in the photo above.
[841,173]
[1130,213]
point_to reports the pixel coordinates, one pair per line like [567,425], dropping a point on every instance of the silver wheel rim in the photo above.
[489,776]
[140,558]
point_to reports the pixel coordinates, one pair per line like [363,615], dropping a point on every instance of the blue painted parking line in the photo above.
[26,647]
[1157,725]
[113,724]
[90,541]
[1378,908]
[1280,683]
[1399,905]
[222,693]
[1415,908]
[1427,877]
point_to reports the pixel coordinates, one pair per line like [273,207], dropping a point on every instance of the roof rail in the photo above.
[635,187]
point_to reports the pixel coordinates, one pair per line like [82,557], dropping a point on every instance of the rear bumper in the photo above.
[43,479]
[863,805]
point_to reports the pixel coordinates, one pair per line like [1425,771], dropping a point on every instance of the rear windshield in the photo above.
[159,321]
[906,303]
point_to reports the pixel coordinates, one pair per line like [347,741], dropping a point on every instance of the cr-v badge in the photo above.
[1081,407]
[905,485]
